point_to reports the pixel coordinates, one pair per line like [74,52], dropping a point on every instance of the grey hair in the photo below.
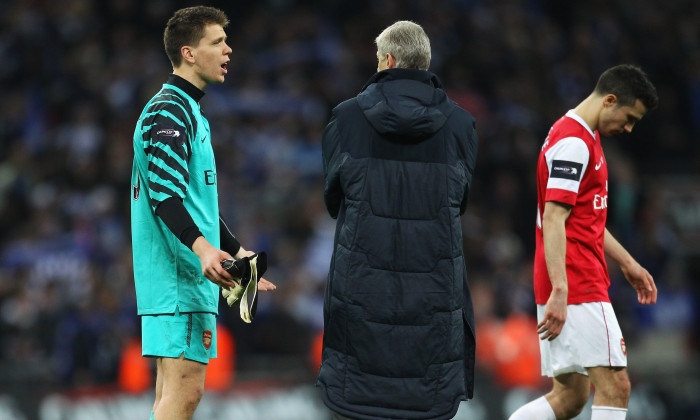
[407,42]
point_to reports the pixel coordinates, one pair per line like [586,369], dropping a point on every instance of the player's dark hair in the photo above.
[187,26]
[628,83]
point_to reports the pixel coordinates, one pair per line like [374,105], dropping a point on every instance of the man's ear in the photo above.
[390,61]
[609,100]
[187,54]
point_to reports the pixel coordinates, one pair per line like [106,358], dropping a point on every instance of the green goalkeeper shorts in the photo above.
[171,335]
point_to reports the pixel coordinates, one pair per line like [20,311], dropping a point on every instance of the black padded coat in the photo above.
[398,337]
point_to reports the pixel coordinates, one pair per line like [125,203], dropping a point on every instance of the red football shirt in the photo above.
[572,170]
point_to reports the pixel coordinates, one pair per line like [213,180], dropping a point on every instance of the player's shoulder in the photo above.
[568,130]
[566,126]
[567,138]
[169,100]
[166,105]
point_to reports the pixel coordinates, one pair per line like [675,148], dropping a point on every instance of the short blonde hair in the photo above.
[407,42]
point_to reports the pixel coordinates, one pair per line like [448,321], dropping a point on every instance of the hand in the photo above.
[554,316]
[264,285]
[642,282]
[210,258]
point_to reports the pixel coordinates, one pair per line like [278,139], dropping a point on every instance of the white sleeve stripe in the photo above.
[563,184]
[571,149]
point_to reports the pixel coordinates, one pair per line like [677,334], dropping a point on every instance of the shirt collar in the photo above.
[191,90]
[388,75]
[571,114]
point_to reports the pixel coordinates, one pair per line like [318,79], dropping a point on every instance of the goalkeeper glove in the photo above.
[246,273]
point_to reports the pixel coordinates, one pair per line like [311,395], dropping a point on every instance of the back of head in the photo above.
[628,83]
[407,43]
[187,26]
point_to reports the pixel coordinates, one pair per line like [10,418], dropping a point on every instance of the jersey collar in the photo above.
[191,90]
[574,116]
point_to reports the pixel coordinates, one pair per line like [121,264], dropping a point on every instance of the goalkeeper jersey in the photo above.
[173,157]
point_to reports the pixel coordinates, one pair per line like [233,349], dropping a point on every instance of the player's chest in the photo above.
[202,157]
[594,186]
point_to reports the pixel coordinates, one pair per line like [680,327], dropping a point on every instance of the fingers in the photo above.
[653,292]
[265,285]
[549,328]
[223,255]
[212,270]
[647,292]
[646,297]
[543,330]
[219,276]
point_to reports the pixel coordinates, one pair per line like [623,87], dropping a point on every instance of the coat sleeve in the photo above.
[332,191]
[470,162]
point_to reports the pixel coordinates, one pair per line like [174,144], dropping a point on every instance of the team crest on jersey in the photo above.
[623,346]
[566,169]
[136,189]
[206,339]
[169,132]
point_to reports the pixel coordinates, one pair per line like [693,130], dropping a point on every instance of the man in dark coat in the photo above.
[398,161]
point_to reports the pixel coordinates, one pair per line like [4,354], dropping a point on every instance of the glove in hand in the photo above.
[246,273]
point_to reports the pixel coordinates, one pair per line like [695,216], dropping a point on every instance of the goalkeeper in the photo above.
[179,240]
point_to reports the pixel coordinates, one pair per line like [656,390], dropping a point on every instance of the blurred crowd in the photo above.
[75,75]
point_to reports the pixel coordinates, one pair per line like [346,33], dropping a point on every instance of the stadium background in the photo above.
[76,73]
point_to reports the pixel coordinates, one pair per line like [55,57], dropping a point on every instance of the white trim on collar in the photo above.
[571,114]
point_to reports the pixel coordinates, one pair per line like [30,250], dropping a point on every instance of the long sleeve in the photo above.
[332,191]
[178,220]
[229,242]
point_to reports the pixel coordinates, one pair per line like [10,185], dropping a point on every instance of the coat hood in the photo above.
[405,105]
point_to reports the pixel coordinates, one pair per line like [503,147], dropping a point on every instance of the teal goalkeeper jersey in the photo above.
[173,157]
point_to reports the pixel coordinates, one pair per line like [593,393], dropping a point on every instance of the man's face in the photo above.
[211,55]
[615,119]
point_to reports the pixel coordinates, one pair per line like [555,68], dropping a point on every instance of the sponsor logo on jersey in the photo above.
[210,177]
[600,202]
[168,132]
[623,346]
[566,170]
[206,339]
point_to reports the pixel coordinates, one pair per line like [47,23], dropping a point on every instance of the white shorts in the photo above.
[591,337]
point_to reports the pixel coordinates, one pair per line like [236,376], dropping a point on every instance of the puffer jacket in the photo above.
[398,337]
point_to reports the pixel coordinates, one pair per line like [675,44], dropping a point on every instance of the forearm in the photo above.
[242,252]
[554,239]
[616,251]
[229,242]
[175,216]
[201,246]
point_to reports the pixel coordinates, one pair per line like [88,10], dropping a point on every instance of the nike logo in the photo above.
[599,164]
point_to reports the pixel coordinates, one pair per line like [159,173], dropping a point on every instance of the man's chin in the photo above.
[216,80]
[609,133]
